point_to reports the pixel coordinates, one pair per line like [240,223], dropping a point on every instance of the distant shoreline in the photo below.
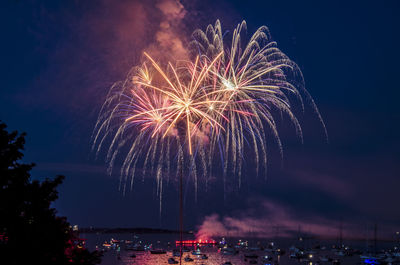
[142,230]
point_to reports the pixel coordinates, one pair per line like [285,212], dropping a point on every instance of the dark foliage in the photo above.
[30,231]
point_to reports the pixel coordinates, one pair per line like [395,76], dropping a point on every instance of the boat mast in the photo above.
[181,210]
[375,236]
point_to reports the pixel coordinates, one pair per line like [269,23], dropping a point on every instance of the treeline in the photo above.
[30,230]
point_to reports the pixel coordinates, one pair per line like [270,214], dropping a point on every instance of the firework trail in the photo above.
[186,113]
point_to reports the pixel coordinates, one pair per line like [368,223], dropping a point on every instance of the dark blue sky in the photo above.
[59,59]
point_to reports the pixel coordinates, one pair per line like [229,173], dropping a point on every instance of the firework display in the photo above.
[221,104]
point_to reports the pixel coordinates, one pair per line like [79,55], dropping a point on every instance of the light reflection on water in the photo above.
[214,256]
[144,258]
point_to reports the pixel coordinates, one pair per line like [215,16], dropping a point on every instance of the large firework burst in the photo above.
[220,104]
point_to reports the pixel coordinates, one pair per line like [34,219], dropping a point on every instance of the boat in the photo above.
[254,248]
[280,252]
[172,261]
[158,251]
[267,258]
[372,258]
[188,259]
[134,247]
[324,258]
[389,260]
[251,256]
[196,252]
[228,251]
[107,245]
[294,249]
[339,253]
[114,241]
[204,256]
[130,247]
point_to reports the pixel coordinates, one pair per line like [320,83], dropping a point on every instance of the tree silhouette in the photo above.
[30,231]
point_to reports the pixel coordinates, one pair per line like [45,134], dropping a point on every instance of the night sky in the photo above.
[59,58]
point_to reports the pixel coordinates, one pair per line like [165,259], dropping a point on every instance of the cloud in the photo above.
[90,46]
[169,40]
[269,219]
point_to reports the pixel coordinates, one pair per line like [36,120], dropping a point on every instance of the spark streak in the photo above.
[192,111]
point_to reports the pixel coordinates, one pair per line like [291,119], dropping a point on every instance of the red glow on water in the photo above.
[196,242]
[3,237]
